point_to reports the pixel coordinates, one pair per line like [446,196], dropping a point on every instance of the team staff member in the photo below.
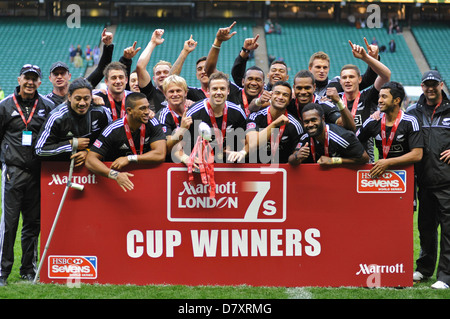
[326,144]
[272,130]
[432,110]
[21,117]
[398,136]
[114,98]
[173,119]
[77,118]
[132,139]
[225,118]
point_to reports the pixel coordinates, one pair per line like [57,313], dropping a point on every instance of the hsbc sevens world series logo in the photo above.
[389,182]
[241,195]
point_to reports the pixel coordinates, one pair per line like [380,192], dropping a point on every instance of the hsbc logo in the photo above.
[389,182]
[241,195]
[64,267]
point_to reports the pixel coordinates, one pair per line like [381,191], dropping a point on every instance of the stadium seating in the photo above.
[300,39]
[26,40]
[433,41]
[42,43]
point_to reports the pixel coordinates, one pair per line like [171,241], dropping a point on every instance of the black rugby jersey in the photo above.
[293,130]
[235,127]
[408,135]
[113,142]
[342,143]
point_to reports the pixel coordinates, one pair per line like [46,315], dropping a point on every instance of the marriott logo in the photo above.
[62,180]
[365,269]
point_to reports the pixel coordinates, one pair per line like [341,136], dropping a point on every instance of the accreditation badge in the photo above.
[27,138]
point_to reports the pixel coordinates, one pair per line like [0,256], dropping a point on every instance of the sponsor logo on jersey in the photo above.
[389,182]
[63,267]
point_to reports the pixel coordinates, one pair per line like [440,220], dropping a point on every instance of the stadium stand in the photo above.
[433,41]
[300,39]
[26,40]
[49,41]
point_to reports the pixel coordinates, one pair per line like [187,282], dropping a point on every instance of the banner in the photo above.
[265,226]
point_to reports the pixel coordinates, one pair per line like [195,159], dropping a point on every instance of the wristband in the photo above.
[245,50]
[340,105]
[258,102]
[132,158]
[216,47]
[113,174]
[336,160]
[243,152]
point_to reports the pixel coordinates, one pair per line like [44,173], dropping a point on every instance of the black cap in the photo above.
[431,75]
[30,68]
[58,64]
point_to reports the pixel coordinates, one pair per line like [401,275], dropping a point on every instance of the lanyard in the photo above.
[434,111]
[113,107]
[214,123]
[325,147]
[387,145]
[355,103]
[130,138]
[275,142]
[26,122]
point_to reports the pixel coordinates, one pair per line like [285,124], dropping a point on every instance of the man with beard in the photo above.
[326,144]
[132,139]
[432,110]
[272,131]
[79,119]
[21,117]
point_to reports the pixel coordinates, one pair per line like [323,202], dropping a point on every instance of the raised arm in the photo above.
[188,47]
[384,74]
[223,34]
[144,77]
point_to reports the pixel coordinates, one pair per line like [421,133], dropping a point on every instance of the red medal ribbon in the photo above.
[130,138]
[113,107]
[434,111]
[274,142]
[245,102]
[205,92]
[355,103]
[214,123]
[387,145]
[203,152]
[21,113]
[325,147]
